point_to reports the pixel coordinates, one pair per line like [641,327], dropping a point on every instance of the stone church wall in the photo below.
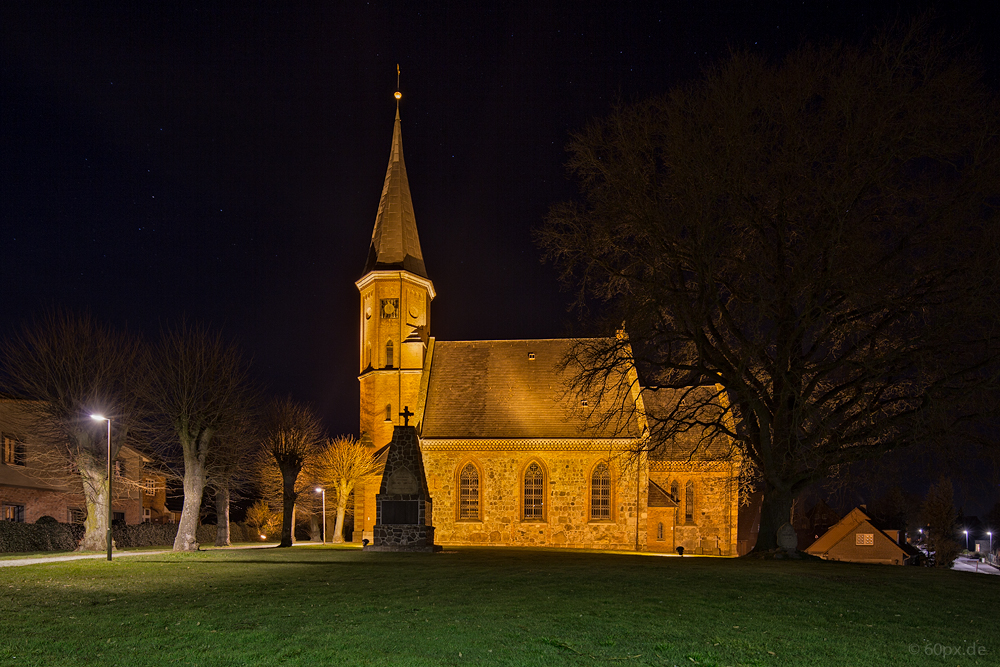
[566,513]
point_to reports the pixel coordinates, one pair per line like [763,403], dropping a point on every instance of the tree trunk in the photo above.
[194,488]
[95,494]
[289,473]
[338,530]
[775,510]
[222,516]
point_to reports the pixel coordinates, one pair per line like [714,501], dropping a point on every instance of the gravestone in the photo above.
[403,504]
[788,539]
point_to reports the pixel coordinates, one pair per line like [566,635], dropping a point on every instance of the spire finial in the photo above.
[397,94]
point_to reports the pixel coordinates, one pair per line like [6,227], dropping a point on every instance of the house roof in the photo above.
[395,244]
[848,525]
[508,389]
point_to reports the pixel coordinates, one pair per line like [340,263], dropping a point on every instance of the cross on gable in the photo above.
[406,414]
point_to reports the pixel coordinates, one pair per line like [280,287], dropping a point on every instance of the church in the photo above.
[510,456]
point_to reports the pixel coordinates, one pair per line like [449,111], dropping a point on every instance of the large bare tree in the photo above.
[340,464]
[804,254]
[71,367]
[199,396]
[290,439]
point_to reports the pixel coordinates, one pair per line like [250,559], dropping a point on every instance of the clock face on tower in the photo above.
[390,309]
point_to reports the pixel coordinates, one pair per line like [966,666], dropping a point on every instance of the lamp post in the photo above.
[323,491]
[990,533]
[102,418]
[966,539]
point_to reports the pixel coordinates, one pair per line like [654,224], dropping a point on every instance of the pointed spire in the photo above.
[395,244]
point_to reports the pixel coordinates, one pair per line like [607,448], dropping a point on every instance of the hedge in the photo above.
[18,537]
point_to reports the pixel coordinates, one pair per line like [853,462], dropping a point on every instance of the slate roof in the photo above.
[395,244]
[679,447]
[492,389]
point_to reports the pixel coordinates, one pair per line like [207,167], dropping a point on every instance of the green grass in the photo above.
[329,606]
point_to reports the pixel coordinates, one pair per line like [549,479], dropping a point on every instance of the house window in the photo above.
[659,532]
[13,513]
[14,452]
[149,487]
[118,516]
[689,502]
[147,515]
[119,469]
[388,354]
[468,493]
[864,539]
[600,493]
[675,491]
[534,484]
[77,515]
[388,412]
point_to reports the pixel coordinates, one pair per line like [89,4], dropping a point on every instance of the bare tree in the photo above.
[228,468]
[803,252]
[291,435]
[199,394]
[261,518]
[72,367]
[938,512]
[340,464]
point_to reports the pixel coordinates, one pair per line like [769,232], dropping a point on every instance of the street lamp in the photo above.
[323,491]
[102,418]
[990,533]
[966,539]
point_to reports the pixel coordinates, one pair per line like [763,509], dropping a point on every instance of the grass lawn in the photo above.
[327,606]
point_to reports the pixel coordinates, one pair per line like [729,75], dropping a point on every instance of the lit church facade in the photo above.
[509,455]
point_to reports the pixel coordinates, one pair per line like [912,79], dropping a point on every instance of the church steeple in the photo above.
[395,244]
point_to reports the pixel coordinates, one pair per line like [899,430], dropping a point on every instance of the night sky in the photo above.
[225,164]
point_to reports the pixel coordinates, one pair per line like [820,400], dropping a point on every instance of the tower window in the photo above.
[534,485]
[468,494]
[388,354]
[659,531]
[600,493]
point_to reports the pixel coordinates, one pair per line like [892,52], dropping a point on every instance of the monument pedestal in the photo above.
[403,504]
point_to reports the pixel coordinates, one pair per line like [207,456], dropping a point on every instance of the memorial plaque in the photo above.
[402,482]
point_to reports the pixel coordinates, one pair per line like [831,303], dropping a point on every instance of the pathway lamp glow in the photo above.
[323,491]
[102,418]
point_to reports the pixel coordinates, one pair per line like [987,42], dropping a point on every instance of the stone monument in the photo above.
[788,539]
[403,504]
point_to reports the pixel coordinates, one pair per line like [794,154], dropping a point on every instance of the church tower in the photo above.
[396,297]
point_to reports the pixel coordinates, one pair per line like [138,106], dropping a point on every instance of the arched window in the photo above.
[659,531]
[388,354]
[388,412]
[600,493]
[534,484]
[689,502]
[468,493]
[675,491]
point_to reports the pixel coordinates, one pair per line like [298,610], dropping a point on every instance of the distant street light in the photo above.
[323,491]
[990,533]
[102,418]
[966,539]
